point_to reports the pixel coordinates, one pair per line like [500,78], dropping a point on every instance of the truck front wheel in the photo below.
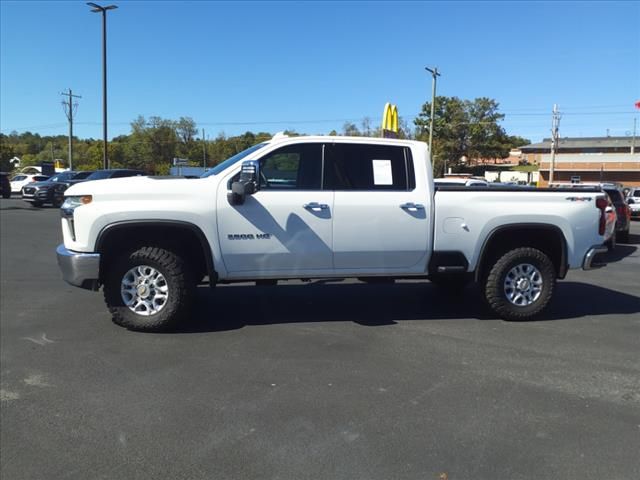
[520,284]
[149,289]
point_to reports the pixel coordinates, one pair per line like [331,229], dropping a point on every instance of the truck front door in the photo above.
[286,226]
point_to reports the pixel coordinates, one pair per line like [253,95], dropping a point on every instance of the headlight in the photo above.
[71,203]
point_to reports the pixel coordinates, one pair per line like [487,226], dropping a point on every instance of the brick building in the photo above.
[588,159]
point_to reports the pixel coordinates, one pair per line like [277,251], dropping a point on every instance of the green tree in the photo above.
[464,129]
[350,130]
[7,152]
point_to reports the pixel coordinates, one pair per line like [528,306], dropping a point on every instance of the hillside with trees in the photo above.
[462,128]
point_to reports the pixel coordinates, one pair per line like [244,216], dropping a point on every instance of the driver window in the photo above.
[294,167]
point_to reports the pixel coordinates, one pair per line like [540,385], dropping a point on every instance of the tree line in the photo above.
[462,129]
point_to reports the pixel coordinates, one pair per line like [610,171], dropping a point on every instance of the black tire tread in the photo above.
[493,285]
[178,276]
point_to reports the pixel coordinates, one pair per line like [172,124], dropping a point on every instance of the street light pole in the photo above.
[435,74]
[97,8]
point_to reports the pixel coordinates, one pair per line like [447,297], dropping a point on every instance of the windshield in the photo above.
[230,161]
[82,175]
[100,174]
[61,177]
[17,178]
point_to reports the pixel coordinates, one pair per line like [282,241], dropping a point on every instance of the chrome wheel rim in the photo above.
[144,290]
[523,285]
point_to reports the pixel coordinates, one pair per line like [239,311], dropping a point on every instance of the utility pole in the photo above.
[69,110]
[99,9]
[633,138]
[555,124]
[435,74]
[204,150]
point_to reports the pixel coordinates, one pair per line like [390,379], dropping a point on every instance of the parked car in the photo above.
[95,175]
[39,193]
[623,213]
[114,173]
[633,200]
[615,194]
[22,179]
[634,207]
[5,185]
[319,207]
[634,194]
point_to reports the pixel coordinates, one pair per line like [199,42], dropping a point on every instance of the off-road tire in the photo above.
[494,291]
[180,282]
[56,202]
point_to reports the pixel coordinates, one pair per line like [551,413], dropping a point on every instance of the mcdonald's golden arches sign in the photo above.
[390,121]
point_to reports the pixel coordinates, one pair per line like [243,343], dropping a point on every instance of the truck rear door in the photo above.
[380,217]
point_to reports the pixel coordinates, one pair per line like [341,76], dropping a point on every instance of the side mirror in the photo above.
[247,184]
[630,201]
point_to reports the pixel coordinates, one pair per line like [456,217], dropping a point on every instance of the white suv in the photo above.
[23,179]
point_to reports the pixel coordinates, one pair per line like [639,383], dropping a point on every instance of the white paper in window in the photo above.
[382,172]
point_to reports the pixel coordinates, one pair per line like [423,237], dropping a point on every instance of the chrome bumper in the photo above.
[588,258]
[79,269]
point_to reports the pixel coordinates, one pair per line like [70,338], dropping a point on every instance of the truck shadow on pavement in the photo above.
[234,307]
[633,240]
[620,252]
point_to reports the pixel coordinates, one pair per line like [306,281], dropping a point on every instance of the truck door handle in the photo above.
[316,206]
[412,206]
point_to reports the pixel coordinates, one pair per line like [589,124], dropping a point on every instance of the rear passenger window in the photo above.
[368,167]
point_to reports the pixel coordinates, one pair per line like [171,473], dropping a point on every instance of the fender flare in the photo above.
[563,267]
[124,224]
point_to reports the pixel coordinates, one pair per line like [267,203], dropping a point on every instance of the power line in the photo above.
[507,114]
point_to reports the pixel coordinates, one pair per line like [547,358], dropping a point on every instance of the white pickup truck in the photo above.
[322,207]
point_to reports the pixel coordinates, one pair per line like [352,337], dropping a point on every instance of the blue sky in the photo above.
[310,66]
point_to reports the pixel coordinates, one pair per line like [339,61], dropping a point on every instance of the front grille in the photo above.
[29,190]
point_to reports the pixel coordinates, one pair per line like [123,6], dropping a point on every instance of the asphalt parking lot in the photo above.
[318,380]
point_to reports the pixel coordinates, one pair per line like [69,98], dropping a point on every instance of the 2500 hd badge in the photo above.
[249,236]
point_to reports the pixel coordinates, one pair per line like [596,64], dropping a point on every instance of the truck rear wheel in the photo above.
[520,284]
[149,289]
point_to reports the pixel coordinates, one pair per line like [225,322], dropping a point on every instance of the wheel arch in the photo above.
[183,236]
[546,237]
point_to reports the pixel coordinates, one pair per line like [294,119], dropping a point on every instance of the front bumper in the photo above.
[79,269]
[587,263]
[41,195]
